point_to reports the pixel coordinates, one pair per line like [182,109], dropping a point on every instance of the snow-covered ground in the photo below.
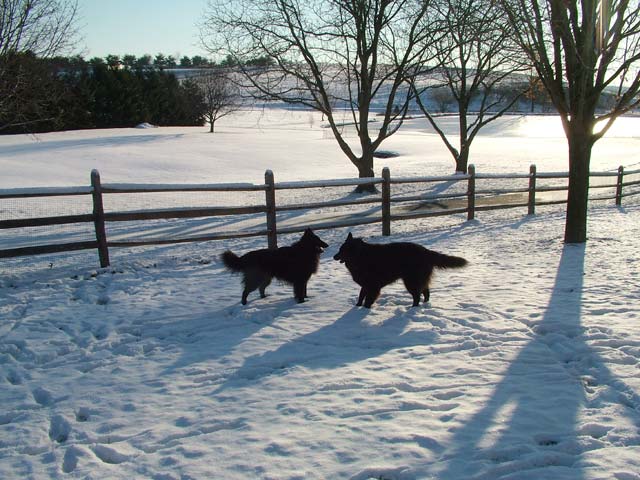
[524,365]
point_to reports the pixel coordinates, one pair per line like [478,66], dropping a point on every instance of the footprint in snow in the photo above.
[183,422]
[59,429]
[14,378]
[101,333]
[546,440]
[103,299]
[70,460]
[594,430]
[109,455]
[42,396]
[448,395]
[83,414]
[6,418]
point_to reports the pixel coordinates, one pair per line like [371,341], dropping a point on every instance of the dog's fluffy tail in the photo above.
[232,261]
[440,260]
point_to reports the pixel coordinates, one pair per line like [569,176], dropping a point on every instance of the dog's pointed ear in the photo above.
[349,237]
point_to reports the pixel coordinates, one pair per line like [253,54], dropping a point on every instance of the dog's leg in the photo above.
[298,291]
[361,297]
[245,294]
[247,289]
[415,292]
[426,294]
[414,288]
[263,287]
[252,280]
[426,281]
[372,296]
[416,298]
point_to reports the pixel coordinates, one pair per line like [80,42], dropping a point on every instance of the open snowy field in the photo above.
[524,365]
[294,145]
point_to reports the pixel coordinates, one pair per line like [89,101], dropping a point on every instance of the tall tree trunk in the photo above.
[365,163]
[580,144]
[365,170]
[462,160]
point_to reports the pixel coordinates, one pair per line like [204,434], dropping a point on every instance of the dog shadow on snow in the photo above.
[223,330]
[542,394]
[347,340]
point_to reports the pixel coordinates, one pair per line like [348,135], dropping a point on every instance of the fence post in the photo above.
[471,193]
[386,202]
[98,218]
[619,185]
[532,190]
[272,235]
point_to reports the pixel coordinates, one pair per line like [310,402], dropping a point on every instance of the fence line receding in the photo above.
[466,194]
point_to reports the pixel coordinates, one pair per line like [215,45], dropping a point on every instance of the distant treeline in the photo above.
[161,61]
[40,95]
[69,93]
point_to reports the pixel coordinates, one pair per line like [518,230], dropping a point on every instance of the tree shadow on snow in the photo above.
[541,395]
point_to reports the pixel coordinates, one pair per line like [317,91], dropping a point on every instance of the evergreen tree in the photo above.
[71,93]
[143,62]
[129,61]
[198,61]
[31,91]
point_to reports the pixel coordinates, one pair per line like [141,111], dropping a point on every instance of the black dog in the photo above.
[374,266]
[294,264]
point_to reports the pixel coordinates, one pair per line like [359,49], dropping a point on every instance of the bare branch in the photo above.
[476,57]
[328,55]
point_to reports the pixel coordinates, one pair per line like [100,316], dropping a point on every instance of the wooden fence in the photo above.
[465,201]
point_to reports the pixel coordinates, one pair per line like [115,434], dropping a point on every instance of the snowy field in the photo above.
[524,365]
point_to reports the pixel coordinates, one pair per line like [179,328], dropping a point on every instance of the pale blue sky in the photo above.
[140,26]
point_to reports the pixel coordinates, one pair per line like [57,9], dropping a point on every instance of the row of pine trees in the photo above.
[71,93]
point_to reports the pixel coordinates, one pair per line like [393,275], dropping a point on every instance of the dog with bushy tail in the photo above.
[294,264]
[373,266]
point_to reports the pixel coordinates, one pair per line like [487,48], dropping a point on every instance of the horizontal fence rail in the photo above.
[468,199]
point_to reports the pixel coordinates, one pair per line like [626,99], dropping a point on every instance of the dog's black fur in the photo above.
[374,266]
[293,264]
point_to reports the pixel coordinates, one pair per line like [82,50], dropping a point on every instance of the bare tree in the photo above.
[579,49]
[329,55]
[43,27]
[220,94]
[28,29]
[476,57]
